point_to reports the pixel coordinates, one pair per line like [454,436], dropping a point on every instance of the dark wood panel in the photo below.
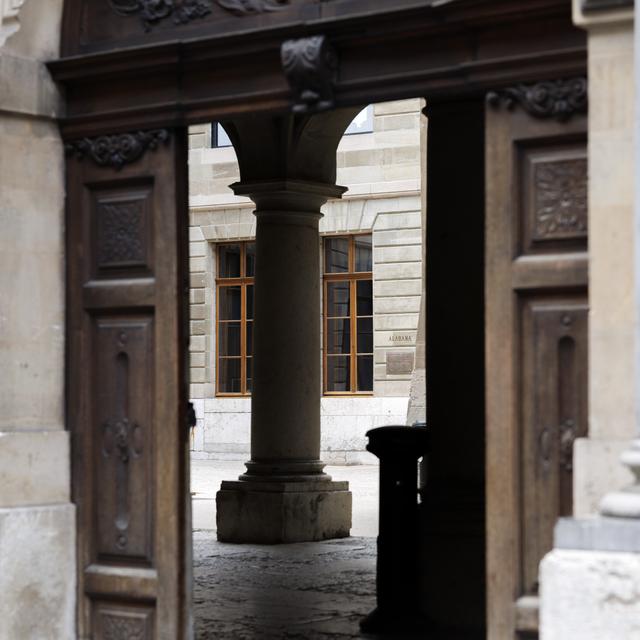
[554,414]
[123,457]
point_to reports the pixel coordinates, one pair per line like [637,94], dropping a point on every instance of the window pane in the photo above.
[249,338]
[250,302]
[229,375]
[338,376]
[228,261]
[362,123]
[363,253]
[339,336]
[250,267]
[249,374]
[365,373]
[364,289]
[229,305]
[338,299]
[229,339]
[365,335]
[220,136]
[336,255]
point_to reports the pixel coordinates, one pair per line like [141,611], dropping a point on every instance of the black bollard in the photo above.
[398,568]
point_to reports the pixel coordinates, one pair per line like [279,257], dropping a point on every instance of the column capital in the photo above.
[288,195]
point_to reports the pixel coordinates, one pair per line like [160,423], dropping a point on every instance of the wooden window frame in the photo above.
[243,282]
[353,277]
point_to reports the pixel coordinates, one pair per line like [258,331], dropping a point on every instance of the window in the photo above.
[348,315]
[219,137]
[362,123]
[234,317]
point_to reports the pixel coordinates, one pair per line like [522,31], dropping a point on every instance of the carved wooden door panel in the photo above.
[127,278]
[536,334]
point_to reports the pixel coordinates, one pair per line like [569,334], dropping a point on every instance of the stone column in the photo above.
[287,167]
[285,403]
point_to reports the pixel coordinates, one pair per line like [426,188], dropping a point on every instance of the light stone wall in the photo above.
[590,583]
[37,520]
[612,300]
[382,170]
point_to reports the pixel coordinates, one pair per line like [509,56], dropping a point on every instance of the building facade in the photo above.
[380,160]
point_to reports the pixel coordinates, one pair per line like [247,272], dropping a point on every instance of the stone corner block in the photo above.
[274,513]
[38,572]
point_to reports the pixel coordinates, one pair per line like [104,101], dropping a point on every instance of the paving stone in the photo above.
[307,591]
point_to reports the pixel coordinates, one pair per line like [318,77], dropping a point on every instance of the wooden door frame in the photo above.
[458,50]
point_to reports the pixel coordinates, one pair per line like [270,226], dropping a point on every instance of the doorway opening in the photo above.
[372,353]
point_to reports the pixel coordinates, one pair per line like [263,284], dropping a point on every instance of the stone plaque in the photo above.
[399,363]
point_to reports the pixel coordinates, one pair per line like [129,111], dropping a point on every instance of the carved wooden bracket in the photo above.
[153,11]
[246,7]
[311,67]
[558,99]
[119,149]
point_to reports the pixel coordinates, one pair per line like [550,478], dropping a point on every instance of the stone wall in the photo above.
[382,170]
[37,520]
[613,398]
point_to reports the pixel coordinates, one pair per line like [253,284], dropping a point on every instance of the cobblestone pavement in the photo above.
[308,591]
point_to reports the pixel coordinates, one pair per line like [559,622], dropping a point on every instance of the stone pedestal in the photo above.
[278,512]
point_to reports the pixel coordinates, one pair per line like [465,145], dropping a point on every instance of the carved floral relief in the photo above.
[559,99]
[560,201]
[119,149]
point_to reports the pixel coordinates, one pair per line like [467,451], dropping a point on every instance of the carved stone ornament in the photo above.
[154,11]
[558,99]
[311,67]
[246,7]
[119,149]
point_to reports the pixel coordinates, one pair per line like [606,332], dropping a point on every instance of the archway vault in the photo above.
[136,74]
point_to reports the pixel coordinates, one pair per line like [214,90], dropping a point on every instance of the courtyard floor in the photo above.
[307,591]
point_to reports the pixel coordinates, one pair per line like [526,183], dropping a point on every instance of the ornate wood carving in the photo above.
[123,430]
[116,627]
[247,7]
[119,149]
[560,199]
[154,11]
[120,239]
[122,440]
[311,66]
[559,99]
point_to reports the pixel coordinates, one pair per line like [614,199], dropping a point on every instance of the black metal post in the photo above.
[398,567]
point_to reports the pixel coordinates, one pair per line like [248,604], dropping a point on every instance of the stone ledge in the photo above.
[598,534]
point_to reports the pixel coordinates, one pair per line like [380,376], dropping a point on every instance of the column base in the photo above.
[282,512]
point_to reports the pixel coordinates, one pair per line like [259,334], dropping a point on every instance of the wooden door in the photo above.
[536,334]
[127,229]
